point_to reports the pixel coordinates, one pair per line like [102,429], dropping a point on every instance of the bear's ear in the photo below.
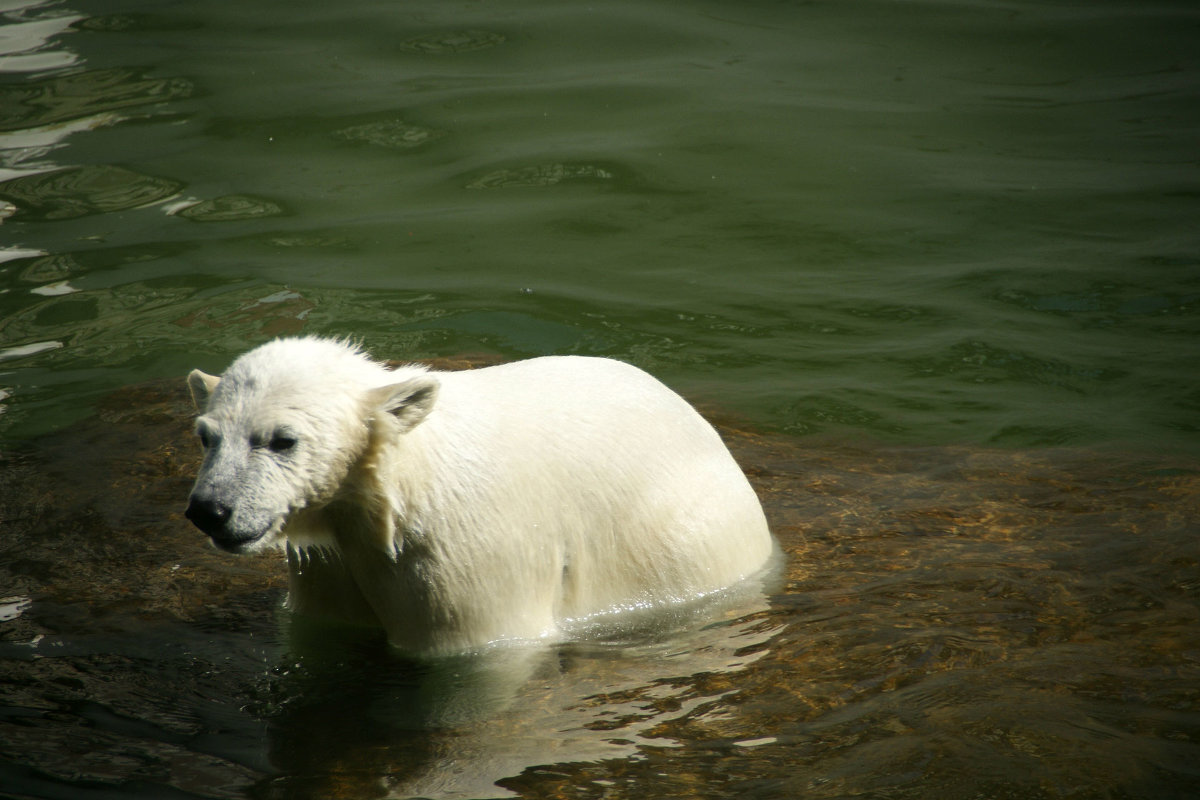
[409,401]
[201,386]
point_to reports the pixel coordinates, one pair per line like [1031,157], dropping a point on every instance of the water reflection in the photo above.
[78,191]
[229,207]
[361,718]
[38,115]
[87,94]
[25,38]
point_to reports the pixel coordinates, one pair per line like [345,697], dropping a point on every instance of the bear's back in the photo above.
[611,466]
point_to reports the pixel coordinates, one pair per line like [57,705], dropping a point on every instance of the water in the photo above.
[940,258]
[938,222]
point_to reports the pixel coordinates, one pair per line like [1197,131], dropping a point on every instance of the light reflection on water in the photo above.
[952,622]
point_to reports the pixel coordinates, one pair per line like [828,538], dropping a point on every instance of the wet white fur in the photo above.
[455,509]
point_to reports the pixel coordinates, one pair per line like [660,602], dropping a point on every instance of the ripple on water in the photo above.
[394,133]
[452,42]
[230,207]
[125,23]
[83,94]
[540,175]
[79,191]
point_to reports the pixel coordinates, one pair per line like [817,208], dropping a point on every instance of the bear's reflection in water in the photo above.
[951,622]
[350,717]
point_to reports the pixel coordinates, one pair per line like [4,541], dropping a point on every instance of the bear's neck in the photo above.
[377,541]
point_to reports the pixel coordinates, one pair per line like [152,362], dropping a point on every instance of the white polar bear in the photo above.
[457,509]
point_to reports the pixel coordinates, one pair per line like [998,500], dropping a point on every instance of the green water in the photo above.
[965,222]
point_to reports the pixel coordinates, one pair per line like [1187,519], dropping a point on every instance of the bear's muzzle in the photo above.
[212,517]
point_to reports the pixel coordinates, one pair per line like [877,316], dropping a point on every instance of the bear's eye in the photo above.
[281,442]
[208,439]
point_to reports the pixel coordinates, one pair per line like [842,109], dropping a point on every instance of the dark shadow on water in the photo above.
[952,623]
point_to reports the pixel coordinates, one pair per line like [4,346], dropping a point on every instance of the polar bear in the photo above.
[460,509]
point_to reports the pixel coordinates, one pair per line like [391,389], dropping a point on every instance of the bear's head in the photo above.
[282,429]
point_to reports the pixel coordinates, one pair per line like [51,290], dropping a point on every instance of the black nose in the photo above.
[209,516]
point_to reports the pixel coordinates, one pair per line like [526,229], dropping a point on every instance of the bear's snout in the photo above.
[210,516]
[217,520]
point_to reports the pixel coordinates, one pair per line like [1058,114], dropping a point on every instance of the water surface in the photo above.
[931,222]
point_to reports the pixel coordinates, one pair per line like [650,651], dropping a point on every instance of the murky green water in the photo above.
[941,256]
[935,222]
